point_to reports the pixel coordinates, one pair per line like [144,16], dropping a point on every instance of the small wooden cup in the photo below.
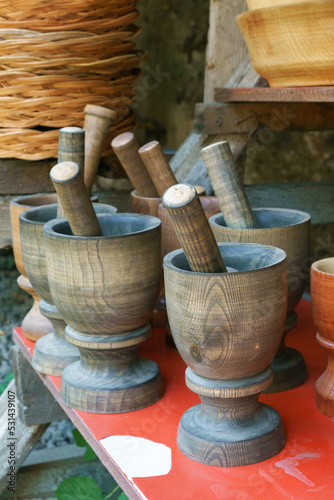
[290,231]
[105,287]
[322,293]
[52,352]
[227,328]
[34,325]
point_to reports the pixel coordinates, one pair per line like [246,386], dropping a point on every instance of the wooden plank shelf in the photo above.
[269,94]
[302,470]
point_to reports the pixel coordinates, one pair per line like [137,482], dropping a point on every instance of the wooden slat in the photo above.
[26,437]
[25,177]
[315,198]
[226,48]
[293,94]
[243,118]
[34,402]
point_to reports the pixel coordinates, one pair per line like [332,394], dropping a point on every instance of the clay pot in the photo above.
[290,231]
[227,328]
[105,288]
[322,293]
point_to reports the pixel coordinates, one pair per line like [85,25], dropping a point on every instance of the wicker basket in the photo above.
[56,59]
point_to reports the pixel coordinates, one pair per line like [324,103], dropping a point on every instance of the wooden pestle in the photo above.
[71,147]
[74,198]
[126,148]
[193,229]
[228,187]
[98,121]
[157,166]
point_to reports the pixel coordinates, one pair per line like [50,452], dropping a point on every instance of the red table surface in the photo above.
[304,468]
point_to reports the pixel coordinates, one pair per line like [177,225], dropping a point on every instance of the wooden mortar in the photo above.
[34,324]
[322,293]
[290,231]
[105,287]
[227,328]
[52,352]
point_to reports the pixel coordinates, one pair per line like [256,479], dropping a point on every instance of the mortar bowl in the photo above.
[52,352]
[227,328]
[289,230]
[34,324]
[105,287]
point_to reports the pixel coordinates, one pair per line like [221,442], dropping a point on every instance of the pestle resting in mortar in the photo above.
[217,321]
[282,228]
[104,273]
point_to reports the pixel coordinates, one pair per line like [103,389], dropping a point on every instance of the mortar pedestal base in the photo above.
[110,376]
[230,427]
[288,365]
[52,352]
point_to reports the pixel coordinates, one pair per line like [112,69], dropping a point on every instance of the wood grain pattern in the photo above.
[169,239]
[263,4]
[74,199]
[322,294]
[157,166]
[52,352]
[290,231]
[227,328]
[192,229]
[228,186]
[34,324]
[126,149]
[105,288]
[98,121]
[269,94]
[71,146]
[291,45]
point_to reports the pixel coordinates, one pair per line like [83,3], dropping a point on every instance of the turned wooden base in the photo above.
[53,353]
[288,366]
[324,387]
[34,325]
[110,376]
[230,428]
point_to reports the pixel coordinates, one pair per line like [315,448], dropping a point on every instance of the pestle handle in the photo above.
[228,187]
[126,148]
[98,121]
[74,198]
[193,229]
[71,147]
[157,166]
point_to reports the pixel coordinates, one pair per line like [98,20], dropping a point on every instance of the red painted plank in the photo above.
[307,458]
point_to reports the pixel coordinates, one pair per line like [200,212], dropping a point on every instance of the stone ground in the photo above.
[15,303]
